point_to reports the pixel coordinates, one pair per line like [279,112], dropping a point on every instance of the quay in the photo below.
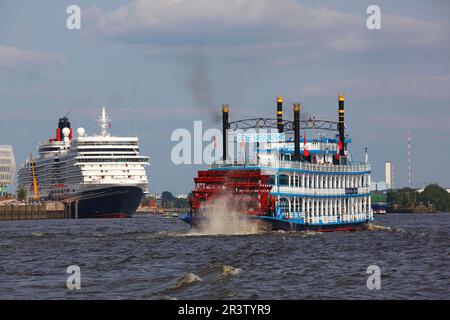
[52,210]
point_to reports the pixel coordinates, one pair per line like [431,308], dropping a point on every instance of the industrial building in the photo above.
[7,169]
[387,184]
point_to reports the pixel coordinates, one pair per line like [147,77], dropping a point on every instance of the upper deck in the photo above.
[359,168]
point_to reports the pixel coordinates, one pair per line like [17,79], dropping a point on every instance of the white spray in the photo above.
[223,216]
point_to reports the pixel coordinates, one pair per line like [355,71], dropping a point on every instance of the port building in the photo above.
[7,169]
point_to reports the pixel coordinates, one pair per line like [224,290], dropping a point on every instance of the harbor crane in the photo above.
[35,183]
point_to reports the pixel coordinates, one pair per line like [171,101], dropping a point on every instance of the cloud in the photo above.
[217,22]
[285,30]
[15,58]
[425,86]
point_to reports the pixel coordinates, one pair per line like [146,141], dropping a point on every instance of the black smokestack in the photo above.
[225,127]
[297,109]
[63,123]
[341,126]
[280,114]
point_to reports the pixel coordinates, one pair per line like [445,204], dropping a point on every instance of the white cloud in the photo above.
[425,86]
[206,17]
[246,24]
[15,58]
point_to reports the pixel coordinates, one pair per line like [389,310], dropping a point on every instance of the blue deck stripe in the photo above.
[289,169]
[319,196]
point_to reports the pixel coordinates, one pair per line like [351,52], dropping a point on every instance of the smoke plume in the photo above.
[200,85]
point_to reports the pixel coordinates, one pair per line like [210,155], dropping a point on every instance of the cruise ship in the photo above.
[301,176]
[96,176]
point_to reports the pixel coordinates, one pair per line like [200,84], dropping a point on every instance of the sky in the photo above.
[158,65]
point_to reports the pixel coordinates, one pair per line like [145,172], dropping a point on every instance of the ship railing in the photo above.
[294,165]
[325,219]
[318,192]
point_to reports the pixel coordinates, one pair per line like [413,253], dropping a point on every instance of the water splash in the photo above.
[39,234]
[164,297]
[222,217]
[229,271]
[186,280]
[375,227]
[306,234]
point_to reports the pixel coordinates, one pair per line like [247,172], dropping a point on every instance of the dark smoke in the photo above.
[305,116]
[200,85]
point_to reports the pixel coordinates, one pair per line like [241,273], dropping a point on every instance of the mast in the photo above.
[104,123]
[409,159]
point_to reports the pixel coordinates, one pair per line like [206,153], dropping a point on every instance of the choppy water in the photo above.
[153,257]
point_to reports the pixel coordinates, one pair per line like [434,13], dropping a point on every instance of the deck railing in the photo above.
[318,192]
[295,165]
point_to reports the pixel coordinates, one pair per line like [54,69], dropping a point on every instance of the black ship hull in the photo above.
[110,202]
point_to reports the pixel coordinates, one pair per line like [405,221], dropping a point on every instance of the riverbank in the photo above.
[411,209]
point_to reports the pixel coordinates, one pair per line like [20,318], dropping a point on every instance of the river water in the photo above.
[152,257]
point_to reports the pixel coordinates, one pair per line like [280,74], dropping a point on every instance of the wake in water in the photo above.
[185,281]
[39,234]
[228,271]
[375,227]
[222,217]
[203,279]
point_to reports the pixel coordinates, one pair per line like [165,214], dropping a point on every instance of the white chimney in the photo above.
[388,174]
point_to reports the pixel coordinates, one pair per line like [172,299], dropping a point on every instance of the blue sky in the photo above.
[139,57]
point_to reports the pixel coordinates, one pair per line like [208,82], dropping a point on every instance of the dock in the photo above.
[52,210]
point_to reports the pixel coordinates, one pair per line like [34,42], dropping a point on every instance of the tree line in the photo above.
[433,198]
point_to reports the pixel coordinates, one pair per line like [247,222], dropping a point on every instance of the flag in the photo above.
[305,150]
[338,155]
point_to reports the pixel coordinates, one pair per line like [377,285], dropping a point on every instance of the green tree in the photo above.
[181,203]
[21,194]
[167,199]
[405,197]
[435,196]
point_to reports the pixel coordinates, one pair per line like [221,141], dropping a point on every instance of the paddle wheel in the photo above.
[246,190]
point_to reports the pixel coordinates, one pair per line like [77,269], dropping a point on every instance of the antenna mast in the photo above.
[409,159]
[104,123]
